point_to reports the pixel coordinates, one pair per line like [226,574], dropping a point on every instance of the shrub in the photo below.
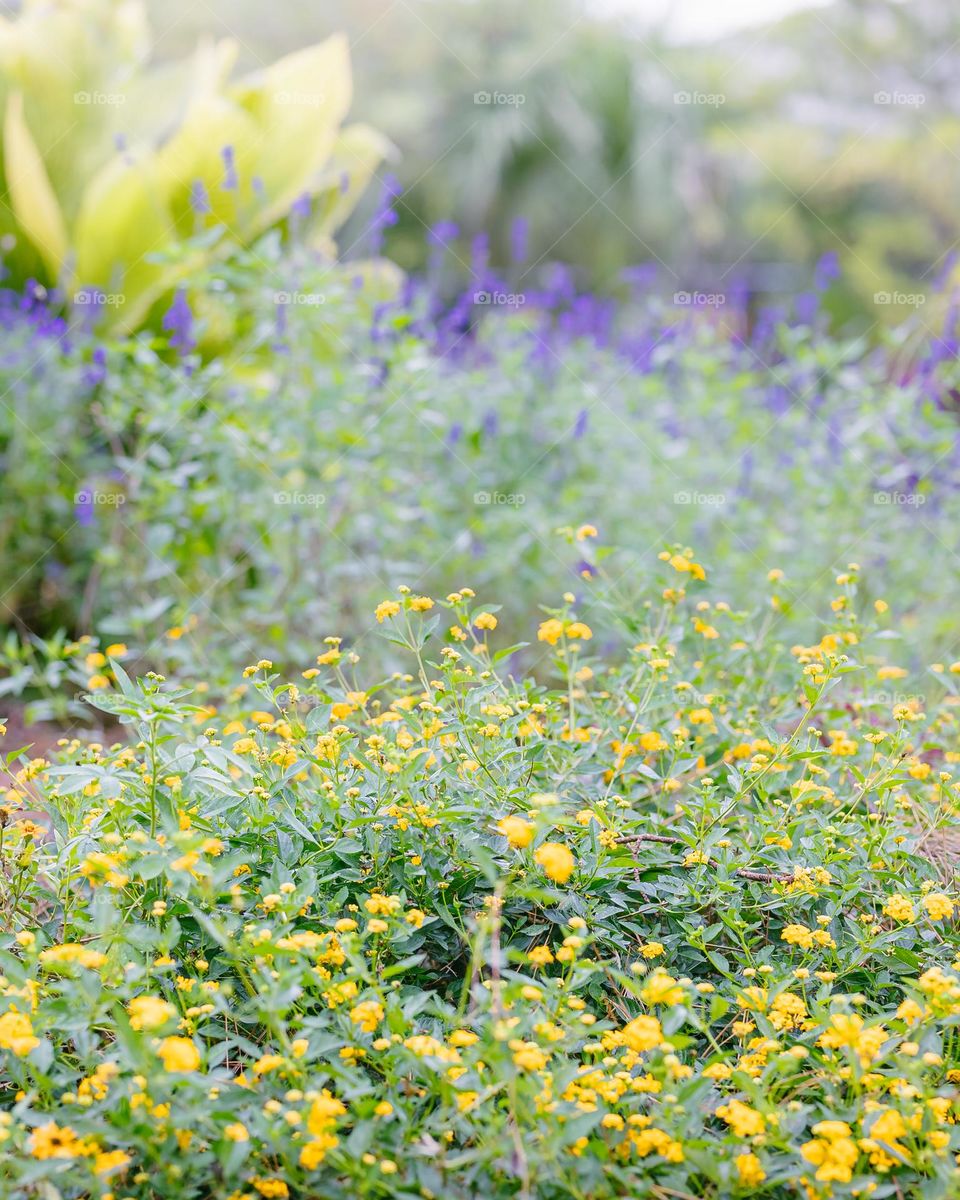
[276,486]
[669,926]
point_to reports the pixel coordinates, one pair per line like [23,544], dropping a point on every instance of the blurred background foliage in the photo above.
[802,156]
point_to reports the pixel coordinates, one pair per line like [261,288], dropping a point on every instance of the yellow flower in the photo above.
[642,1033]
[899,908]
[550,631]
[517,831]
[271,1189]
[385,609]
[16,1033]
[485,620]
[528,1056]
[315,1151]
[749,1170]
[267,1063]
[833,1152]
[106,1161]
[556,861]
[661,988]
[848,1031]
[237,1132]
[368,1015]
[149,1012]
[379,905]
[323,1113]
[96,683]
[72,952]
[179,1055]
[742,1119]
[420,603]
[586,531]
[937,906]
[797,935]
[576,630]
[55,1141]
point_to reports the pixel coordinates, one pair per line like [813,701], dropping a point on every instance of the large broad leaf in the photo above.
[297,105]
[357,152]
[124,223]
[192,164]
[71,61]
[139,167]
[31,196]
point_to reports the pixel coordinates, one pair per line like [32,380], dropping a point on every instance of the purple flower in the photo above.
[230,180]
[640,278]
[580,427]
[442,233]
[385,216]
[83,508]
[300,208]
[480,253]
[807,306]
[178,322]
[96,372]
[199,200]
[827,269]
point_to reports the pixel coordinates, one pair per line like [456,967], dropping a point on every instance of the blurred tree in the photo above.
[834,129]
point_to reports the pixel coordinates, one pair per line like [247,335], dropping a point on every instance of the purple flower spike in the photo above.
[231,182]
[83,508]
[300,209]
[199,199]
[827,269]
[385,216]
[442,233]
[96,372]
[178,322]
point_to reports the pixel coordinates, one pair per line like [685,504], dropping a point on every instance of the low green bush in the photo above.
[677,926]
[313,451]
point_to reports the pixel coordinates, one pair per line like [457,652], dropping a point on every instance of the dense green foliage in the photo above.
[673,927]
[623,868]
[316,453]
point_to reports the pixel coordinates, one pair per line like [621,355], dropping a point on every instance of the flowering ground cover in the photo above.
[679,922]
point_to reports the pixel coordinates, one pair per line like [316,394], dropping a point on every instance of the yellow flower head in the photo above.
[556,861]
[179,1055]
